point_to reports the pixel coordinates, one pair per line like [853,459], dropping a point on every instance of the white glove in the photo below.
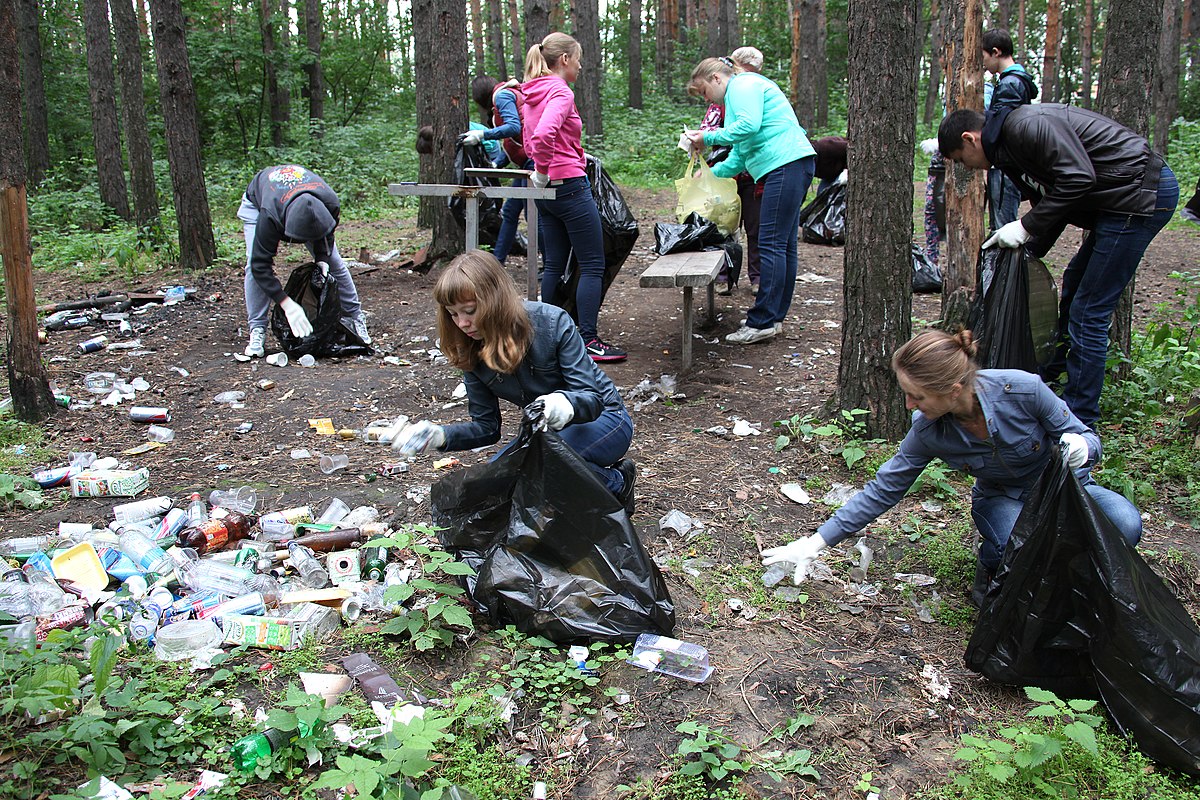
[1011,235]
[297,319]
[802,553]
[324,267]
[558,410]
[472,137]
[538,180]
[1076,449]
[419,437]
[929,146]
[842,177]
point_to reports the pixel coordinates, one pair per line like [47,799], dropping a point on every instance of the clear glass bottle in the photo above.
[312,574]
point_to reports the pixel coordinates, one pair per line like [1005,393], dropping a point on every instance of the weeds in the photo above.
[847,434]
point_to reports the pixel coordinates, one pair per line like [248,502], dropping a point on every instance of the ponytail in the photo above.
[542,58]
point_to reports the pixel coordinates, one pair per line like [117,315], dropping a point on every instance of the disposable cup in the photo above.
[331,464]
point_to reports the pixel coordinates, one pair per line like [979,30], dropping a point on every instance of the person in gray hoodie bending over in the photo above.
[288,203]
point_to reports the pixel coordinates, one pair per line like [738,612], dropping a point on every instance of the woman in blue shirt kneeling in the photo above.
[999,425]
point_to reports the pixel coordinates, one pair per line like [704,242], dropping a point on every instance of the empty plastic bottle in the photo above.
[197,510]
[312,574]
[14,595]
[45,595]
[141,509]
[249,749]
[142,550]
[217,534]
[228,580]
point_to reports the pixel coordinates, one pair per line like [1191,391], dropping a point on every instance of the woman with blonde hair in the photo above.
[998,425]
[523,352]
[553,135]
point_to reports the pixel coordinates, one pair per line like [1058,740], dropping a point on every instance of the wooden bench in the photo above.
[686,270]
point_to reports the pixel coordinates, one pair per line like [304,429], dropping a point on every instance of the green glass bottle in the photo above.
[376,562]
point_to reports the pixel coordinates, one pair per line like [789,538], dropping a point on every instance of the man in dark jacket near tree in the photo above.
[1080,168]
[1014,87]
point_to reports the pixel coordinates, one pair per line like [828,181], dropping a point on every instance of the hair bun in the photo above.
[966,340]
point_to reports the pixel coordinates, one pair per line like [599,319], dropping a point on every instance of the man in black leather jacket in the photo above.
[1079,168]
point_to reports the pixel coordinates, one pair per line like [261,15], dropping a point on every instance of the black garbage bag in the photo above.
[553,550]
[1015,312]
[697,233]
[1074,609]
[317,294]
[823,220]
[619,228]
[927,276]
[473,155]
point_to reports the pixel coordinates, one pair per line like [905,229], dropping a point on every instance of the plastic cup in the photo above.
[242,499]
[331,464]
[335,511]
[307,360]
[159,433]
[277,359]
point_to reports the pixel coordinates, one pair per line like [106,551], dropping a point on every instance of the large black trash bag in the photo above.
[618,226]
[1074,609]
[1015,313]
[317,294]
[696,233]
[473,155]
[823,220]
[927,276]
[553,550]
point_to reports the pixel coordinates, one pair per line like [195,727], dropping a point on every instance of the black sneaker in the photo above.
[600,350]
[628,471]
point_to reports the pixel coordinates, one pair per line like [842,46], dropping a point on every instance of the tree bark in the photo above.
[665,23]
[729,25]
[33,86]
[178,98]
[877,294]
[313,35]
[795,89]
[106,133]
[807,66]
[514,25]
[964,187]
[275,93]
[28,384]
[1021,27]
[1166,76]
[496,39]
[440,47]
[537,22]
[133,104]
[822,66]
[933,88]
[588,84]
[1050,56]
[1003,14]
[635,53]
[477,36]
[1086,52]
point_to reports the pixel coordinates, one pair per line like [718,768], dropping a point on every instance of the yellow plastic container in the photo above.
[81,565]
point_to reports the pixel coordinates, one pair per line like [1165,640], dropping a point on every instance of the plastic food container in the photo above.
[186,639]
[671,657]
[80,564]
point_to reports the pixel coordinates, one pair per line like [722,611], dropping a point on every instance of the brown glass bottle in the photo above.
[328,541]
[217,534]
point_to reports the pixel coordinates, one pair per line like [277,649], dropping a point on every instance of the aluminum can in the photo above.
[149,414]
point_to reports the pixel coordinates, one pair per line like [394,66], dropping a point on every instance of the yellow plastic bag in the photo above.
[711,197]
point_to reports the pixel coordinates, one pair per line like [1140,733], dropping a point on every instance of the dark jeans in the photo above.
[1004,198]
[510,213]
[571,222]
[751,211]
[1091,286]
[778,227]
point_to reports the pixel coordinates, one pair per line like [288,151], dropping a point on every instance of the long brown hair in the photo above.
[542,57]
[500,316]
[936,360]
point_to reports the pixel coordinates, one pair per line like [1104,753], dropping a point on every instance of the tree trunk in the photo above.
[587,85]
[635,53]
[666,23]
[1166,77]
[477,36]
[729,25]
[133,104]
[710,21]
[964,187]
[807,66]
[537,22]
[558,16]
[106,133]
[1131,36]
[275,93]
[1003,14]
[28,384]
[795,90]
[1050,57]
[514,25]
[933,88]
[178,98]
[822,70]
[1021,27]
[1086,52]
[496,39]
[877,294]
[313,35]
[33,85]
[440,47]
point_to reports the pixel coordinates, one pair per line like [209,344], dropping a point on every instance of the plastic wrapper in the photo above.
[317,294]
[187,639]
[709,196]
[619,229]
[1074,609]
[553,550]
[473,155]
[696,233]
[927,276]
[823,220]
[1015,313]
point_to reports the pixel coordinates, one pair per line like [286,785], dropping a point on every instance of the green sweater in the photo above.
[761,127]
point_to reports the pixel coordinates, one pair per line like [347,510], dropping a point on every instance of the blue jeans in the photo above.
[600,443]
[995,517]
[1004,198]
[571,222]
[510,212]
[1091,286]
[778,224]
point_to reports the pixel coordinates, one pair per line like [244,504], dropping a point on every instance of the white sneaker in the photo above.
[258,343]
[358,328]
[748,335]
[778,327]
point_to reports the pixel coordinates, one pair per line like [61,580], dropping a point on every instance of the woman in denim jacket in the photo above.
[999,425]
[523,352]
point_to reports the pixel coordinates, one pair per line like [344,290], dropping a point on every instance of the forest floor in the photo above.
[854,663]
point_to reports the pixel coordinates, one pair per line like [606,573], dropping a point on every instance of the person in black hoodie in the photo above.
[288,203]
[1013,87]
[1080,168]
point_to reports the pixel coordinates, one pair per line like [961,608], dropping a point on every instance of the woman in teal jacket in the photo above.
[769,143]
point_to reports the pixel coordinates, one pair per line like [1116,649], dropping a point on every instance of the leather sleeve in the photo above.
[1052,144]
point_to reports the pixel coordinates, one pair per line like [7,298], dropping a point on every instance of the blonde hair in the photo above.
[500,316]
[706,69]
[749,59]
[936,360]
[542,58]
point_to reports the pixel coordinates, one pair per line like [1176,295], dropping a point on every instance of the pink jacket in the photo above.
[551,128]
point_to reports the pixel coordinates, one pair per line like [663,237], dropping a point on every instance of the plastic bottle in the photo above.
[143,624]
[361,515]
[229,580]
[141,509]
[45,595]
[278,526]
[312,574]
[217,534]
[197,510]
[247,750]
[254,604]
[14,595]
[142,550]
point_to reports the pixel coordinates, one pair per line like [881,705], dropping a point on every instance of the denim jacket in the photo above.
[1024,420]
[556,362]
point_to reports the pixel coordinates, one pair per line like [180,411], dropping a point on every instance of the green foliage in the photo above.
[847,434]
[432,625]
[936,479]
[487,772]
[18,491]
[22,446]
[714,756]
[399,757]
[943,553]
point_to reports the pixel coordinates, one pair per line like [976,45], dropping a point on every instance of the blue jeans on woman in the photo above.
[571,222]
[784,189]
[510,213]
[996,515]
[600,443]
[1091,286]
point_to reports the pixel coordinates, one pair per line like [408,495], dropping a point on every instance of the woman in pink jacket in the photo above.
[552,132]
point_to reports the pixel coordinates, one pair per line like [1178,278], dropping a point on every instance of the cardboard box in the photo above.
[110,483]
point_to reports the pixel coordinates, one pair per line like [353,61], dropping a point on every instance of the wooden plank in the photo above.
[499,174]
[683,269]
